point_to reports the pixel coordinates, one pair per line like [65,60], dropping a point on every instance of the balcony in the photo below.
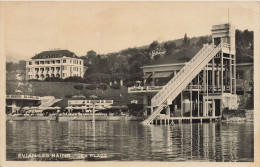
[141,89]
[225,47]
[90,102]
[28,97]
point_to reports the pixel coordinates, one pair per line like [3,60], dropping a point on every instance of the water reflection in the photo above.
[132,141]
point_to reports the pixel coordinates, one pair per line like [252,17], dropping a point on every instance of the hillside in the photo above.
[66,89]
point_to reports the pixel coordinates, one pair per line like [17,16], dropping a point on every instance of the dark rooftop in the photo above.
[54,54]
[185,56]
[179,57]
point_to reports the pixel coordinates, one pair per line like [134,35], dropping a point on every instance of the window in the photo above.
[37,62]
[47,62]
[53,62]
[64,61]
[30,63]
[80,62]
[41,62]
[240,74]
[70,61]
[58,61]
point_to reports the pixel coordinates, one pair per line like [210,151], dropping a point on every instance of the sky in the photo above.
[32,27]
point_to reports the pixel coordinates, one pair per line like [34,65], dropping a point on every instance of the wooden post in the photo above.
[213,108]
[190,102]
[181,103]
[235,83]
[204,108]
[222,73]
[230,73]
[226,76]
[213,75]
[204,80]
[217,77]
[198,101]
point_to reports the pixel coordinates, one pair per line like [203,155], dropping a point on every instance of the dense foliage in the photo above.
[10,66]
[125,64]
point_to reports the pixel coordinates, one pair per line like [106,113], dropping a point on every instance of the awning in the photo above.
[161,75]
[147,75]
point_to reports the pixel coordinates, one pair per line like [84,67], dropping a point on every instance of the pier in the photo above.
[175,120]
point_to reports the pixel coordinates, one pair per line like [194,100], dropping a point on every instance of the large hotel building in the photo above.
[54,63]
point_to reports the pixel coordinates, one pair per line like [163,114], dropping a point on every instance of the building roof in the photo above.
[55,54]
[180,57]
[184,56]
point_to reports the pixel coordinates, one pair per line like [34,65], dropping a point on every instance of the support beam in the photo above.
[198,101]
[226,76]
[204,80]
[213,108]
[222,78]
[213,75]
[230,74]
[190,102]
[218,78]
[235,82]
[204,108]
[181,103]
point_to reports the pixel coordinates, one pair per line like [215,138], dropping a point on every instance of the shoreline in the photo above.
[74,118]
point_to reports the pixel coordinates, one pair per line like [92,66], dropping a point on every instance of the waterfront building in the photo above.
[87,105]
[18,102]
[195,84]
[54,63]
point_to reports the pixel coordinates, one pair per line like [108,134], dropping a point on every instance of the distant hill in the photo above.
[12,59]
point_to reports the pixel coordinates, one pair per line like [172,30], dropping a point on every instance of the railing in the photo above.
[182,79]
[81,102]
[22,97]
[194,87]
[144,89]
[176,80]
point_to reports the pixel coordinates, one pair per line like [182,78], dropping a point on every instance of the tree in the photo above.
[202,40]
[21,65]
[170,47]
[154,48]
[186,40]
[9,66]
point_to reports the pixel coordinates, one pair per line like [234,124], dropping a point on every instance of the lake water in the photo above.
[129,141]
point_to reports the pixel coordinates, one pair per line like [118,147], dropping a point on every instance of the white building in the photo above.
[87,105]
[55,63]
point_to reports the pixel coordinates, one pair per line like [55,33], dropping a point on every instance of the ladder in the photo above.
[174,87]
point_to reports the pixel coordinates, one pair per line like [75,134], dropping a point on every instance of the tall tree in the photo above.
[170,47]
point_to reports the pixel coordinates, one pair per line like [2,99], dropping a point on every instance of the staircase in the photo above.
[174,87]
